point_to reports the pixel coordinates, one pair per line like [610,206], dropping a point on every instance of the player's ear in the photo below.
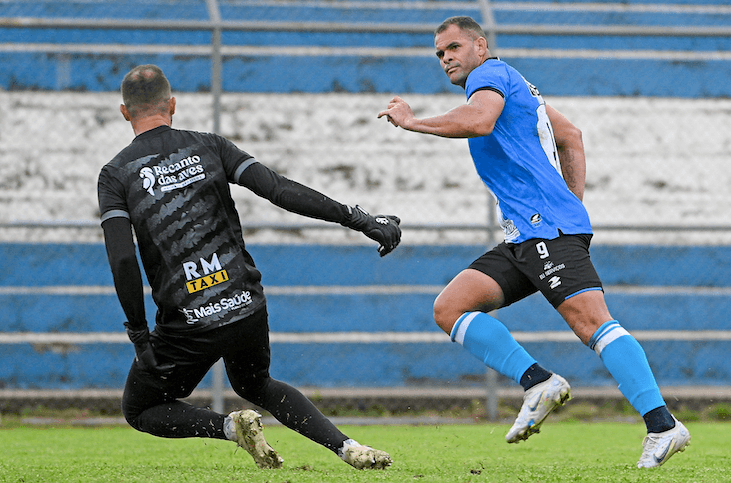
[171,106]
[125,112]
[481,44]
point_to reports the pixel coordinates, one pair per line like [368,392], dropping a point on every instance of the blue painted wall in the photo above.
[556,76]
[386,364]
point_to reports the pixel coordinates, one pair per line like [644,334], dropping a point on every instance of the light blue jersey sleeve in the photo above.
[519,161]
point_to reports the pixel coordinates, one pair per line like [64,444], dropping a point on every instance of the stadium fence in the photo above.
[657,135]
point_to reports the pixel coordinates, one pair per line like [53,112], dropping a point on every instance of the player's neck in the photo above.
[150,122]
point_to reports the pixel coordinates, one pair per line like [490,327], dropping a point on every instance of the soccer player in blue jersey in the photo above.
[532,160]
[173,188]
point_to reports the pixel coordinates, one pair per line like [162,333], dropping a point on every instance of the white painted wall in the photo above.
[649,160]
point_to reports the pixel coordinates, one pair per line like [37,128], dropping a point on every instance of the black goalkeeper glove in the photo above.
[144,354]
[382,228]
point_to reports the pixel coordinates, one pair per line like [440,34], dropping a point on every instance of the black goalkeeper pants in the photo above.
[151,403]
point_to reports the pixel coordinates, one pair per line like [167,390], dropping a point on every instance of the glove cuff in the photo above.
[139,337]
[357,218]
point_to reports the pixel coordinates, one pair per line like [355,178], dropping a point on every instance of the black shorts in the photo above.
[560,268]
[243,345]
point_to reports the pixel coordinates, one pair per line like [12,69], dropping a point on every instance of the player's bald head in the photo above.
[145,89]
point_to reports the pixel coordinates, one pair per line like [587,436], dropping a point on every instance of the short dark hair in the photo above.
[467,24]
[145,88]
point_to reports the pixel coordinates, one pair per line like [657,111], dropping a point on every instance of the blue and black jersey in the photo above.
[519,161]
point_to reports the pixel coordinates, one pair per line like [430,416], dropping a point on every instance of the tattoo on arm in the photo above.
[570,174]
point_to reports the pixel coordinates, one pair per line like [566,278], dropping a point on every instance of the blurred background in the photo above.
[298,84]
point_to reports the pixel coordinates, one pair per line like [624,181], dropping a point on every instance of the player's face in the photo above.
[458,53]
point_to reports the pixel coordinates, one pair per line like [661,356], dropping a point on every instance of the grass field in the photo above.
[566,451]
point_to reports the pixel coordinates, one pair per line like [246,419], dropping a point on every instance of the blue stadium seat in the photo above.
[600,64]
[644,292]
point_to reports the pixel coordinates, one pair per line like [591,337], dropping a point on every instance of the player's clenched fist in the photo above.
[382,228]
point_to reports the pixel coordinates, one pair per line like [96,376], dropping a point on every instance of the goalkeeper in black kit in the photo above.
[172,186]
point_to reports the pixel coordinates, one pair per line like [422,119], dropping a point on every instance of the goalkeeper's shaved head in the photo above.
[145,90]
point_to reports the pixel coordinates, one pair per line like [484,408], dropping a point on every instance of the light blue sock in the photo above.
[626,361]
[489,340]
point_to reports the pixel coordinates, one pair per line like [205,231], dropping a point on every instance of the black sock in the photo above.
[659,420]
[291,408]
[534,375]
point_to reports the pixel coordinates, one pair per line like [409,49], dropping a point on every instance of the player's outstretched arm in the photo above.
[300,199]
[474,119]
[382,228]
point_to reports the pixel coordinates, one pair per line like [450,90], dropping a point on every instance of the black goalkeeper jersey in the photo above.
[173,185]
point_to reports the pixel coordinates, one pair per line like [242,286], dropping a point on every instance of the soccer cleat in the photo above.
[365,457]
[250,436]
[657,448]
[539,401]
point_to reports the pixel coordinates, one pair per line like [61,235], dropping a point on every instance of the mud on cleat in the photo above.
[364,457]
[250,436]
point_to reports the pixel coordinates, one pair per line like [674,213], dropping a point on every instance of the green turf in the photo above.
[563,452]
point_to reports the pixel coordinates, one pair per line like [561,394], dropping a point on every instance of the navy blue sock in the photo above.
[659,420]
[534,375]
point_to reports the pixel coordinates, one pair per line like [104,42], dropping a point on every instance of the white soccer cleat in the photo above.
[657,448]
[538,402]
[366,458]
[250,436]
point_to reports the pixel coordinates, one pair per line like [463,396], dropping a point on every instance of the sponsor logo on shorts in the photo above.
[549,269]
[535,220]
[554,281]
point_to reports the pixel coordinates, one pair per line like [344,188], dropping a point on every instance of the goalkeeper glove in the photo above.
[144,353]
[382,228]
